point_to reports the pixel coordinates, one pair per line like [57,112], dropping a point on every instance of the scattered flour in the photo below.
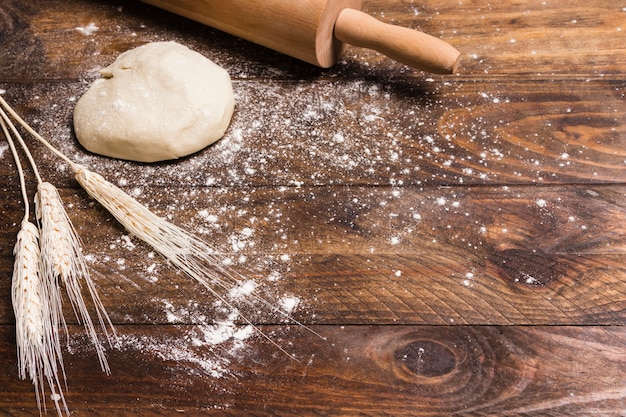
[127,242]
[222,332]
[244,289]
[88,30]
[204,348]
[288,304]
[333,138]
[189,351]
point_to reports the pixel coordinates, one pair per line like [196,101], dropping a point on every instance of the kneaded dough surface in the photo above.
[156,102]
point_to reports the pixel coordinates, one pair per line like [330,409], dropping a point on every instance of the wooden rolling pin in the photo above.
[316,31]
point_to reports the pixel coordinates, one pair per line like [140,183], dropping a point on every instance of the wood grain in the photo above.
[459,242]
[372,370]
[461,256]
[355,132]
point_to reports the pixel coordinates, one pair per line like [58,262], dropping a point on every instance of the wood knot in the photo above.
[427,358]
[533,269]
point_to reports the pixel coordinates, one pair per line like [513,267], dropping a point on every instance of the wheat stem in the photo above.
[20,170]
[34,133]
[17,135]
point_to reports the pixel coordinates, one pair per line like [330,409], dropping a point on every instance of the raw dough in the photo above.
[156,102]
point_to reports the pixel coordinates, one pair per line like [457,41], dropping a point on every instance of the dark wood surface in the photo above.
[458,241]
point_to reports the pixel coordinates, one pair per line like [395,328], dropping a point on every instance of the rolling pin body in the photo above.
[302,29]
[314,31]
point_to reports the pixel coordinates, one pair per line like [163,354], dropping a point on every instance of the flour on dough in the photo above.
[156,102]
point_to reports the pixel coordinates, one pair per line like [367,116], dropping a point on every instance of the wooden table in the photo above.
[458,241]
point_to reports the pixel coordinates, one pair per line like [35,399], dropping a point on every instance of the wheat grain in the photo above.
[54,225]
[63,258]
[175,244]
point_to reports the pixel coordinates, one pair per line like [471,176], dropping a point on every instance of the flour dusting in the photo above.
[189,352]
[88,30]
[288,304]
[242,290]
[201,349]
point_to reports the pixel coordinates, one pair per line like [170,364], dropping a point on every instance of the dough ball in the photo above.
[156,102]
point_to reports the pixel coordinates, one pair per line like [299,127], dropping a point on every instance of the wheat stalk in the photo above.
[37,339]
[62,254]
[185,251]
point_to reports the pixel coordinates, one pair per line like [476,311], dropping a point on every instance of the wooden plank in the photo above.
[97,33]
[522,39]
[357,370]
[373,133]
[512,255]
[525,39]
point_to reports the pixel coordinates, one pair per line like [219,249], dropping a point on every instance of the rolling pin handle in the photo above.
[407,46]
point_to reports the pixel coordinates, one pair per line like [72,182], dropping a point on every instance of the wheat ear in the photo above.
[37,338]
[63,257]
